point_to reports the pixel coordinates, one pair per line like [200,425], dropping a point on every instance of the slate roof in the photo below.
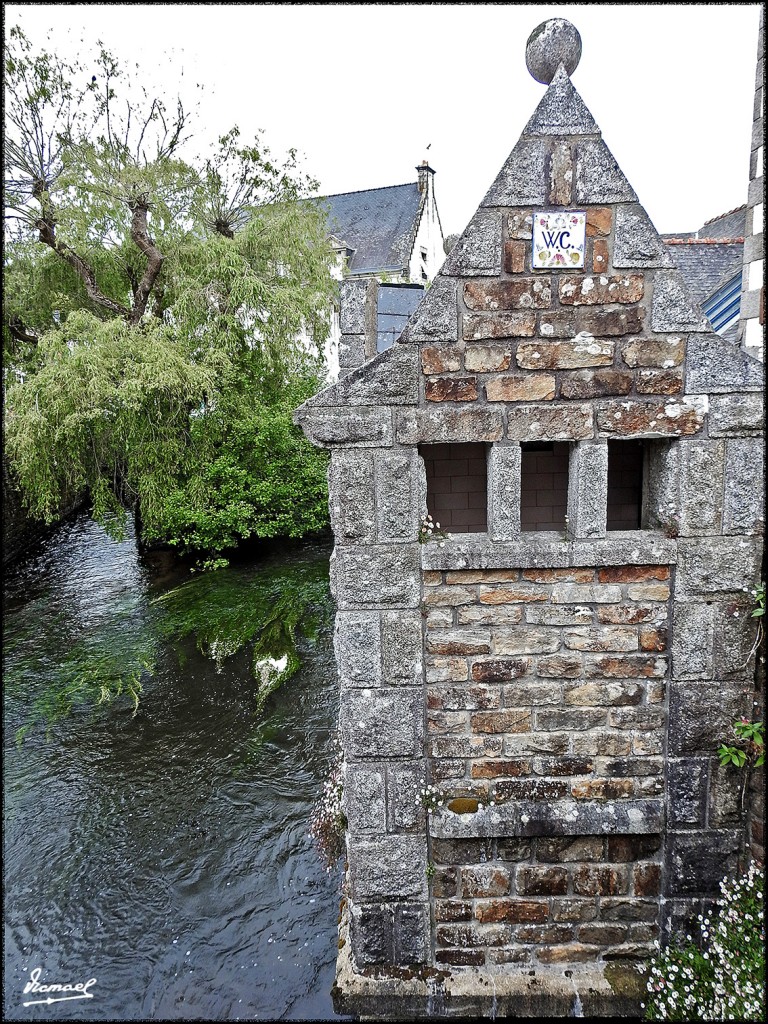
[706,265]
[712,256]
[725,225]
[379,224]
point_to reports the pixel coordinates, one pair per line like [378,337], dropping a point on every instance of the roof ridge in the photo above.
[359,191]
[703,241]
[726,214]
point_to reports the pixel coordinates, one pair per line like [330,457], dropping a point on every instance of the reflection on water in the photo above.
[164,853]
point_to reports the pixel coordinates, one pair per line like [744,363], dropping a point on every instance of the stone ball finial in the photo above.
[551,44]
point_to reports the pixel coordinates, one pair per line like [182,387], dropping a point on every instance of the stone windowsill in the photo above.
[560,818]
[548,551]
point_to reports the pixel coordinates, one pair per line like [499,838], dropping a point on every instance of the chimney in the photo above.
[424,171]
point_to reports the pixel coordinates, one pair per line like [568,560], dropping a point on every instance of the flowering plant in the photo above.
[429,529]
[723,978]
[328,822]
[430,797]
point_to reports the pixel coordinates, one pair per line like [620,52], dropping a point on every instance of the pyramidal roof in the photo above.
[559,162]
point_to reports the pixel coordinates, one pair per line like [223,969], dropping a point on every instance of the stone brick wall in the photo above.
[570,337]
[546,685]
[544,901]
[568,688]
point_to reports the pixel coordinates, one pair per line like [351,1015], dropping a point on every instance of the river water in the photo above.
[164,853]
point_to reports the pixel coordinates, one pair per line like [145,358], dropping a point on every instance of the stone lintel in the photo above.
[558,818]
[549,550]
[414,426]
[715,367]
[388,868]
[713,566]
[381,723]
[372,576]
[504,462]
[364,427]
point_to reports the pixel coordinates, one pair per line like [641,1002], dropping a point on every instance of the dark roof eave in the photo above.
[358,271]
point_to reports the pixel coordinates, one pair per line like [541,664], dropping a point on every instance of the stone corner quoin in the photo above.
[564,687]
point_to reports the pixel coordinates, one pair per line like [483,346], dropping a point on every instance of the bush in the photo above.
[723,978]
[260,478]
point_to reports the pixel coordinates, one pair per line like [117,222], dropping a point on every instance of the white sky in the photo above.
[362,89]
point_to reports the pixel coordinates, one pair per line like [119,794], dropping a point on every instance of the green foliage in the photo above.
[752,734]
[758,611]
[723,976]
[162,314]
[262,479]
[731,755]
[104,414]
[99,668]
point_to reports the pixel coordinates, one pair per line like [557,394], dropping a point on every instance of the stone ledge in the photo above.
[569,990]
[561,818]
[547,551]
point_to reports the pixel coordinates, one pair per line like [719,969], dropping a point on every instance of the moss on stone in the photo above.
[463,805]
[627,982]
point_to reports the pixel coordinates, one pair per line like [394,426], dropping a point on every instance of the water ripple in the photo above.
[166,854]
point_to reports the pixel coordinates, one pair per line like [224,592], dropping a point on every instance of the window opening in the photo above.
[625,484]
[543,485]
[457,486]
[395,304]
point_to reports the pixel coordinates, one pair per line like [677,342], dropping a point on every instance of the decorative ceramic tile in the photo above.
[558,239]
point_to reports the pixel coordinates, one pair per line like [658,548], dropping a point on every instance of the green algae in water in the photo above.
[223,612]
[226,610]
[106,663]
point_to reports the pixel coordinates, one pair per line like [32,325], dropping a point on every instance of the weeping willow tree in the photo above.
[163,313]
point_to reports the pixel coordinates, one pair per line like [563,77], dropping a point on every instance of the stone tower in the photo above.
[561,660]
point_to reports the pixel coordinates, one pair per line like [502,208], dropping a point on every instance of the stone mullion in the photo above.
[504,489]
[587,489]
